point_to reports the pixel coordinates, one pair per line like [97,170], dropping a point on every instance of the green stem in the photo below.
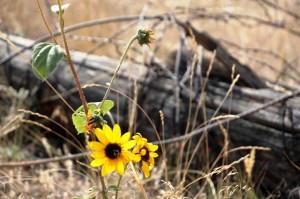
[61,23]
[119,182]
[104,191]
[117,69]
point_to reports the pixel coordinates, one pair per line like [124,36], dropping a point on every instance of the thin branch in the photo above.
[45,21]
[43,161]
[77,27]
[80,91]
[242,18]
[276,7]
[241,115]
[265,52]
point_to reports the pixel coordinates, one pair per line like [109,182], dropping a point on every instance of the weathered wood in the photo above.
[277,127]
[248,77]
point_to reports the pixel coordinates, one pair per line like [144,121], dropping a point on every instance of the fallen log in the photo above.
[276,126]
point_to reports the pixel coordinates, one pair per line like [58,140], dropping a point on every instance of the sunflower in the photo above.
[111,152]
[144,152]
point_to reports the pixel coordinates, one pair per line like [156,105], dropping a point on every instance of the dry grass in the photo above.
[267,49]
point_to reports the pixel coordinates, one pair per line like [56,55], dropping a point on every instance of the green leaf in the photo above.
[55,8]
[79,117]
[45,59]
[113,187]
[92,189]
[107,105]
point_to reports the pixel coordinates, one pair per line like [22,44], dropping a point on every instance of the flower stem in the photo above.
[118,68]
[104,191]
[68,56]
[119,182]
[104,195]
[80,91]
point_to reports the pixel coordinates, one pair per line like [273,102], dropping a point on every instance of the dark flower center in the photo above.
[146,156]
[112,151]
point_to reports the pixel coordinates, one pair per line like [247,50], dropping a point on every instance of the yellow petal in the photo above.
[152,147]
[145,169]
[120,167]
[152,154]
[96,146]
[128,145]
[136,158]
[139,139]
[116,133]
[97,162]
[151,161]
[136,150]
[108,167]
[125,138]
[108,133]
[126,156]
[101,136]
[150,167]
[138,135]
[98,155]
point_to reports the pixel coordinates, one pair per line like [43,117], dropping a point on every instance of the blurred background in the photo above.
[264,34]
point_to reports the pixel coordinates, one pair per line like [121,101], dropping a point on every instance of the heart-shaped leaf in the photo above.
[106,106]
[45,59]
[79,118]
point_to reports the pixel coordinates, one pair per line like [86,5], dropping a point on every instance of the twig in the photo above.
[249,148]
[45,21]
[138,181]
[291,161]
[55,122]
[241,115]
[218,170]
[265,52]
[77,27]
[43,161]
[276,7]
[61,22]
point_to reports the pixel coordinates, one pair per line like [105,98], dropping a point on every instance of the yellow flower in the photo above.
[144,152]
[112,151]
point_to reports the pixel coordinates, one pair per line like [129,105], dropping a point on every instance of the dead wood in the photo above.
[248,77]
